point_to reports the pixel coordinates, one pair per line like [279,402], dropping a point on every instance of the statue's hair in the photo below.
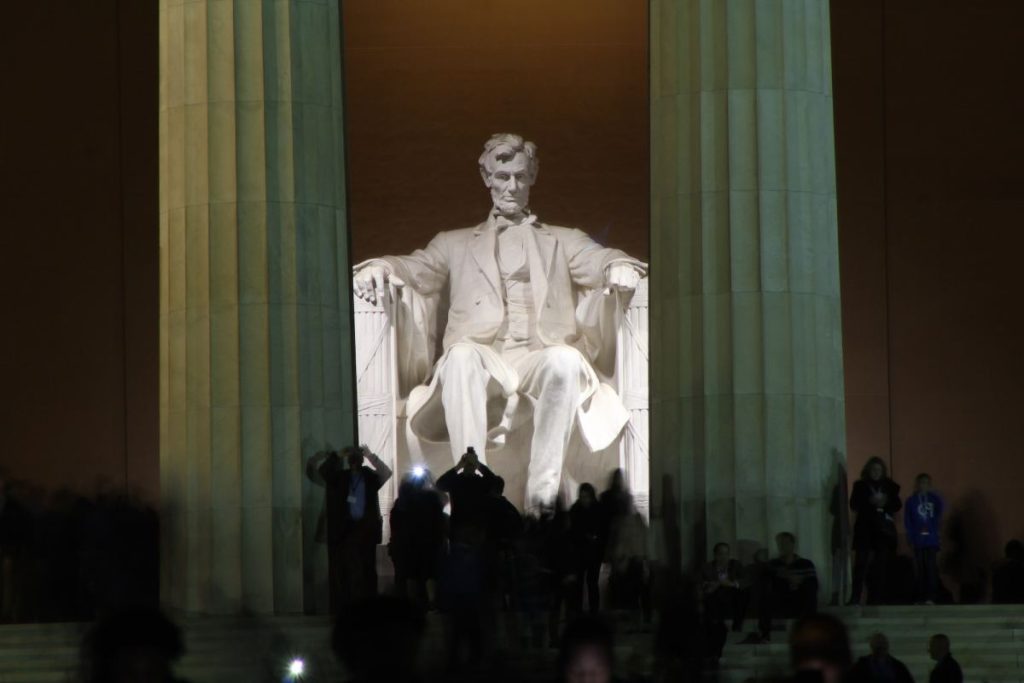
[504,147]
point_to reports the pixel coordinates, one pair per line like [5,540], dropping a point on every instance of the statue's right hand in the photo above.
[371,282]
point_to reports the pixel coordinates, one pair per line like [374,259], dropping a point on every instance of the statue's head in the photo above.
[509,167]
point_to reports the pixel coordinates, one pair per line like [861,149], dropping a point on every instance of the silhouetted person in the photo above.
[680,637]
[586,525]
[587,653]
[616,500]
[463,598]
[875,499]
[627,554]
[135,646]
[922,520]
[417,536]
[354,523]
[1008,576]
[559,567]
[533,582]
[120,552]
[789,586]
[724,597]
[468,484]
[378,640]
[15,543]
[819,649]
[504,525]
[879,666]
[946,670]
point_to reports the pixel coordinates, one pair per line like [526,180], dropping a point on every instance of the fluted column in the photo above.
[747,381]
[255,345]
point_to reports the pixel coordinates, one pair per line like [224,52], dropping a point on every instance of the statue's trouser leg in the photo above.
[464,397]
[554,378]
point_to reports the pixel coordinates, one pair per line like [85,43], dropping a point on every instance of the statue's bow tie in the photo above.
[501,223]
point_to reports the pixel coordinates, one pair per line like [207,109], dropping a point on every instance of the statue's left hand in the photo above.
[623,277]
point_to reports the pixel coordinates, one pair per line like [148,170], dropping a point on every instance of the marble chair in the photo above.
[383,424]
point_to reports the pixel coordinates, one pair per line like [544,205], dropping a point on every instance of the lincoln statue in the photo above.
[529,306]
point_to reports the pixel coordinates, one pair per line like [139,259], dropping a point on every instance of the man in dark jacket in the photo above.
[469,484]
[789,586]
[946,670]
[724,598]
[354,523]
[879,666]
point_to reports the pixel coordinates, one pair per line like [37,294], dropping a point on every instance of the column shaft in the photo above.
[747,380]
[255,344]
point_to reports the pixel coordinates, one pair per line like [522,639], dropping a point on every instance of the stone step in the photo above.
[750,675]
[988,641]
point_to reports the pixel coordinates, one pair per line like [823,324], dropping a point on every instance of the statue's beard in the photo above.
[509,208]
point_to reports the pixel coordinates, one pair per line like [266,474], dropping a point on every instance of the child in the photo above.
[922,518]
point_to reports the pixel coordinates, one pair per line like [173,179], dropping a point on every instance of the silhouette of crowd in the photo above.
[494,574]
[567,579]
[461,549]
[67,557]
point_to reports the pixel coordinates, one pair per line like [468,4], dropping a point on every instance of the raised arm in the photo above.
[329,467]
[486,473]
[447,480]
[379,466]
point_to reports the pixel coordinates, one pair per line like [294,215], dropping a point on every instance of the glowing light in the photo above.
[418,471]
[296,668]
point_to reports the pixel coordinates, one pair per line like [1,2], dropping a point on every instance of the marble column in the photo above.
[747,383]
[255,339]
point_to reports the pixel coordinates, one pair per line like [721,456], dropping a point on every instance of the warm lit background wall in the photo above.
[928,128]
[930,152]
[78,234]
[427,82]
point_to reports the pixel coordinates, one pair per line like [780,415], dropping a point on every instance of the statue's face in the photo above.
[509,182]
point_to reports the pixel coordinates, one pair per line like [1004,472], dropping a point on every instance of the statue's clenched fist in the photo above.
[371,282]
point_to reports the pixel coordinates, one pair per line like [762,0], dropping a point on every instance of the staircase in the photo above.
[988,641]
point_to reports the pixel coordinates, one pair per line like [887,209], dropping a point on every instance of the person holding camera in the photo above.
[468,486]
[354,522]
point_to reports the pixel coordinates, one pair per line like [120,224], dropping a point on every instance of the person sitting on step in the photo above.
[788,587]
[725,597]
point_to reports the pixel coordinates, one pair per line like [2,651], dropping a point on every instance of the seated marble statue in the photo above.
[530,333]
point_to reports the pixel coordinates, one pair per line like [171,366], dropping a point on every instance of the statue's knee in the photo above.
[462,358]
[563,363]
